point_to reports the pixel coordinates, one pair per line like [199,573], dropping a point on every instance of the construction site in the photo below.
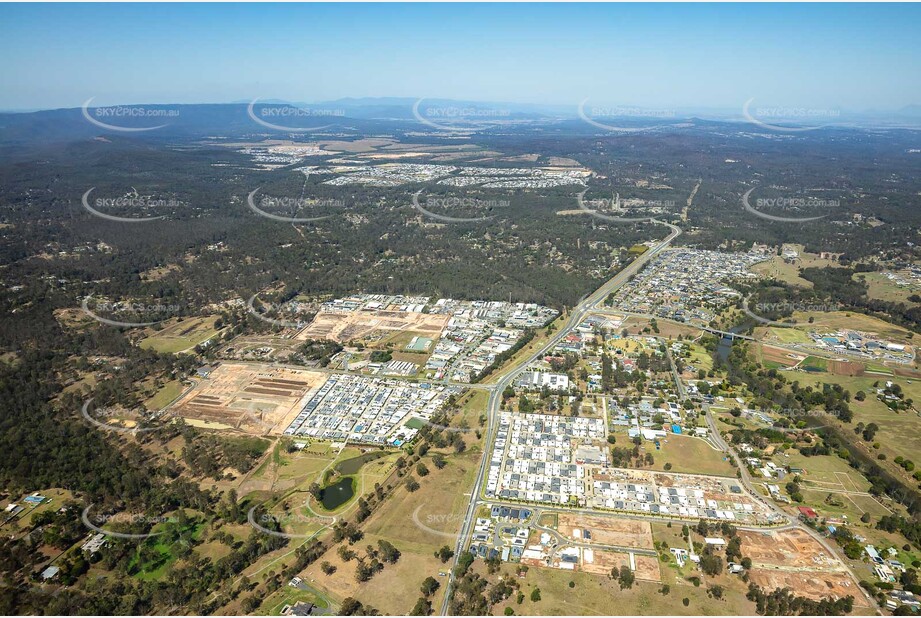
[602,530]
[251,397]
[371,324]
[793,559]
[602,561]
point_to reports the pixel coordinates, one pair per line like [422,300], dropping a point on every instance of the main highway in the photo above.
[588,305]
[576,316]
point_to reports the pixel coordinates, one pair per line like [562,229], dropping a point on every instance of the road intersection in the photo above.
[576,316]
[587,306]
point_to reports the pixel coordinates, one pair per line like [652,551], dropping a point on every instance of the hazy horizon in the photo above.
[717,57]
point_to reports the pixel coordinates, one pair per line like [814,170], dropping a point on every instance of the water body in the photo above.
[335,495]
[725,344]
[353,465]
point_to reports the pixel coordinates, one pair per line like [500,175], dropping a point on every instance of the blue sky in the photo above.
[852,57]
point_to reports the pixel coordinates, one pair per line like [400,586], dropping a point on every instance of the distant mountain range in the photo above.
[361,114]
[397,107]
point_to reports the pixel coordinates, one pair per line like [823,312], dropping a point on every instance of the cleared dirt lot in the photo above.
[344,327]
[793,559]
[812,585]
[606,530]
[790,549]
[780,356]
[845,368]
[600,562]
[251,397]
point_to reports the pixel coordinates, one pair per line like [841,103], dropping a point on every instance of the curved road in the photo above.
[792,522]
[585,307]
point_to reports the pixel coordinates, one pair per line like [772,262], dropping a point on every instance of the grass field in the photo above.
[392,591]
[399,340]
[289,475]
[628,346]
[181,335]
[165,395]
[832,487]
[155,554]
[417,523]
[789,273]
[814,363]
[700,358]
[472,407]
[306,465]
[825,471]
[687,454]
[838,320]
[601,596]
[879,369]
[879,286]
[779,334]
[213,550]
[284,471]
[667,329]
[725,420]
[899,433]
[288,595]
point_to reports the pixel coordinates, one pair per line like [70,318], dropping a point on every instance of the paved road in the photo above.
[563,541]
[748,483]
[684,211]
[578,313]
[586,307]
[649,316]
[792,522]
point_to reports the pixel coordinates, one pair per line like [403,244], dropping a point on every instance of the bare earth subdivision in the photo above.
[255,398]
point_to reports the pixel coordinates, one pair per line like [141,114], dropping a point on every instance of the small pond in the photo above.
[335,495]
